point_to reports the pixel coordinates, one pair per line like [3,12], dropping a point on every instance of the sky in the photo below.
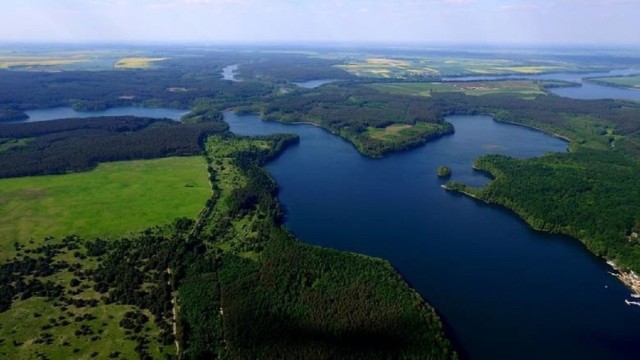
[613,22]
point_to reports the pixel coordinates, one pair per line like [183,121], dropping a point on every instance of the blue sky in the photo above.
[423,21]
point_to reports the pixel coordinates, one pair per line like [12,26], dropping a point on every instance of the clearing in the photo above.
[113,199]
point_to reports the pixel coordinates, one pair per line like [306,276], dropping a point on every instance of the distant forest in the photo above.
[60,146]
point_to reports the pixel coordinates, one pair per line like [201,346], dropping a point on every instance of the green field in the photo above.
[522,88]
[114,199]
[623,81]
[398,132]
[20,325]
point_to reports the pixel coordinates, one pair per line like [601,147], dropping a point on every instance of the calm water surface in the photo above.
[312,84]
[67,112]
[585,90]
[506,291]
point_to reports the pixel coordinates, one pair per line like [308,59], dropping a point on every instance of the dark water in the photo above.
[585,90]
[312,84]
[506,292]
[67,112]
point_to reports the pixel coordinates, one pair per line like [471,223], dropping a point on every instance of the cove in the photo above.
[67,113]
[504,290]
[584,91]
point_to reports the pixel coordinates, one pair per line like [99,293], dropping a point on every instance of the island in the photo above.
[444,171]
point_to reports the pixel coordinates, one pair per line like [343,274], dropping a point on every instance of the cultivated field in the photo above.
[137,62]
[407,67]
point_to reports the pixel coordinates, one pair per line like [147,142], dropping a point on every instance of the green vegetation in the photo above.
[525,89]
[52,307]
[282,298]
[591,195]
[201,333]
[57,147]
[434,65]
[334,305]
[234,283]
[9,115]
[444,171]
[237,283]
[375,123]
[7,145]
[114,199]
[632,81]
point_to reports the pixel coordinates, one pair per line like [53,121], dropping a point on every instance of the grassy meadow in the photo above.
[113,199]
[19,323]
[397,132]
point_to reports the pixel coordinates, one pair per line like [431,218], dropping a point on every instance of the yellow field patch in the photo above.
[7,62]
[387,62]
[136,62]
[527,69]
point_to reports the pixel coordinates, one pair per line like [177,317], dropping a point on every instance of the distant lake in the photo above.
[229,72]
[586,90]
[312,84]
[67,112]
[505,290]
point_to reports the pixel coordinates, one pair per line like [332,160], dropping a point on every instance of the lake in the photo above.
[67,112]
[503,290]
[312,84]
[585,90]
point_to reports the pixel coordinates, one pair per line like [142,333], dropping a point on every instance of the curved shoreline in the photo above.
[629,278]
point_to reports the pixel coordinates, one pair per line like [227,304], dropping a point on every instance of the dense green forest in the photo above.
[302,301]
[236,282]
[352,109]
[60,146]
[286,68]
[592,195]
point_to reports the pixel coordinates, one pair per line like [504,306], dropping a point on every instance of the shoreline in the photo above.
[600,82]
[629,278]
[306,123]
[555,135]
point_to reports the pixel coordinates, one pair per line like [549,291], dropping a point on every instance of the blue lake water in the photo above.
[504,290]
[584,90]
[67,112]
[312,84]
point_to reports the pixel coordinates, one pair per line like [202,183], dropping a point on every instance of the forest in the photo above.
[233,281]
[61,146]
[264,294]
[591,195]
